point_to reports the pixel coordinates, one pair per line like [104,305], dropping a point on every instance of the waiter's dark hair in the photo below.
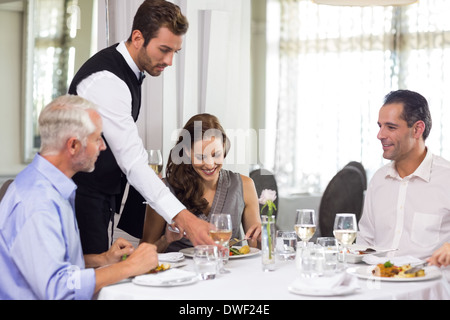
[155,14]
[415,108]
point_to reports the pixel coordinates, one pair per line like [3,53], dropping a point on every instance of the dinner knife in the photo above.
[417,268]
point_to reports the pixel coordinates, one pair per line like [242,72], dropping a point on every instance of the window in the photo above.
[58,41]
[333,66]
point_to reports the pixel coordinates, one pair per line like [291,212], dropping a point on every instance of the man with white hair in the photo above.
[40,250]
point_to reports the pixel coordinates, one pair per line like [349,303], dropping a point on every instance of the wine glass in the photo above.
[305,226]
[220,232]
[155,160]
[345,229]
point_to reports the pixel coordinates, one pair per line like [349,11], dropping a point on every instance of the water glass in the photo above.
[310,260]
[318,260]
[206,261]
[286,242]
[331,253]
[305,262]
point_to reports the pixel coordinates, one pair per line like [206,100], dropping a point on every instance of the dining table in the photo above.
[246,281]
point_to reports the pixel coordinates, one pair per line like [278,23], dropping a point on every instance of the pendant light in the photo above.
[363,3]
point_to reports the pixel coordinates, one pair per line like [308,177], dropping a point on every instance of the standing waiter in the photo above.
[112,80]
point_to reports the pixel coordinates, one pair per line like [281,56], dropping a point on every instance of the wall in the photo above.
[12,79]
[11,26]
[211,74]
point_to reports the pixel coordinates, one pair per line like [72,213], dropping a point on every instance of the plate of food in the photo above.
[393,273]
[356,253]
[161,267]
[236,252]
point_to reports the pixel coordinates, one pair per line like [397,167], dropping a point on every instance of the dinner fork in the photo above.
[235,240]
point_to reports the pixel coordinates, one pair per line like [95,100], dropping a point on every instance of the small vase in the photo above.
[268,242]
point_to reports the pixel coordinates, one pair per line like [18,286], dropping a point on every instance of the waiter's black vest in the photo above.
[107,175]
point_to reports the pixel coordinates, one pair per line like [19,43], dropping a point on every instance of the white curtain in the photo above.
[336,64]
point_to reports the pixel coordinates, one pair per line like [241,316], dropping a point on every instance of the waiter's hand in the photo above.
[197,230]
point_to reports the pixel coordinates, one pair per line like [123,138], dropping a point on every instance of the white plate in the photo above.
[170,257]
[357,258]
[189,252]
[253,252]
[338,291]
[336,285]
[169,278]
[366,273]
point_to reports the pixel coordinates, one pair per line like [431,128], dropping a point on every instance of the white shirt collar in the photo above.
[423,171]
[122,48]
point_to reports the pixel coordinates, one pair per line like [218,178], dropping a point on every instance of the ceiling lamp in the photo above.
[362,3]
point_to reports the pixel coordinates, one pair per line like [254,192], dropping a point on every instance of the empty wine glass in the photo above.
[305,226]
[155,160]
[345,230]
[220,232]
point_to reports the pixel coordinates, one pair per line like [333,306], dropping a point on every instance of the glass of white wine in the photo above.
[305,226]
[345,230]
[155,160]
[220,231]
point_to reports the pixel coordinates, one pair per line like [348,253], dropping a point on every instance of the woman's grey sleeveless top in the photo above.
[229,198]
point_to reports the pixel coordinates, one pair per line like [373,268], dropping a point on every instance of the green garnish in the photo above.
[388,264]
[235,251]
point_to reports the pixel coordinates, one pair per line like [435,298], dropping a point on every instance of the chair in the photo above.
[353,165]
[264,179]
[4,188]
[344,194]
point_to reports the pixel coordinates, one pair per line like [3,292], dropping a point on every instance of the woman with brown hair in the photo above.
[195,176]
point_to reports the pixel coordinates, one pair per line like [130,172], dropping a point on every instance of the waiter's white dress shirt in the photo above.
[410,214]
[113,98]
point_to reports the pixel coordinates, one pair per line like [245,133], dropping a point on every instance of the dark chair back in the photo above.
[344,194]
[264,179]
[4,188]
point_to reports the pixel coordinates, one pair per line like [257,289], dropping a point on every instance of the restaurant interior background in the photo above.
[298,85]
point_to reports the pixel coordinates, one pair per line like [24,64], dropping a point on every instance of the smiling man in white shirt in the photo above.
[112,80]
[407,204]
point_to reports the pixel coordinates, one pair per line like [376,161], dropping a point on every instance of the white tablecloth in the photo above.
[247,282]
